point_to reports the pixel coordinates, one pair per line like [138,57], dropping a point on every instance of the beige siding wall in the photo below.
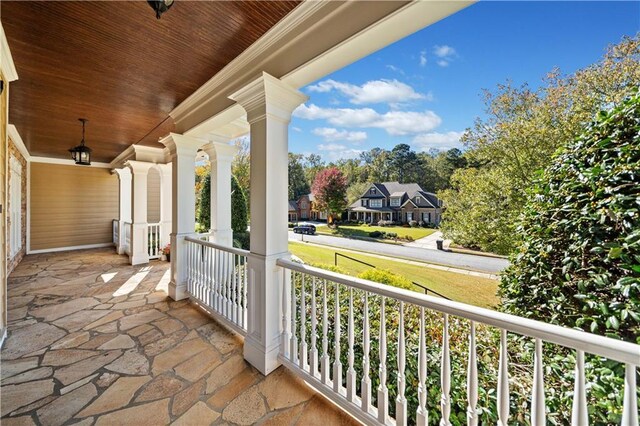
[3,201]
[153,196]
[71,205]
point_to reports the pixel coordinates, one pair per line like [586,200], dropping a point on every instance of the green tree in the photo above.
[298,184]
[405,164]
[312,165]
[241,167]
[204,209]
[239,208]
[522,130]
[355,191]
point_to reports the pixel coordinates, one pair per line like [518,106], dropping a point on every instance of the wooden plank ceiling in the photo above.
[118,66]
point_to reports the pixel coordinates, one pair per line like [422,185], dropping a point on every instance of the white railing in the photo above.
[393,328]
[154,245]
[115,230]
[218,279]
[127,237]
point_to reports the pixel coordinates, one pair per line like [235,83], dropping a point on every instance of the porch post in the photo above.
[139,250]
[269,104]
[165,203]
[183,150]
[124,177]
[221,155]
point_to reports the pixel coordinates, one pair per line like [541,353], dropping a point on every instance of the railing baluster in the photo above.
[293,350]
[365,383]
[337,365]
[503,381]
[579,414]
[630,404]
[537,397]
[383,392]
[401,401]
[472,379]
[303,357]
[324,359]
[351,372]
[286,334]
[227,280]
[313,353]
[245,277]
[422,416]
[234,287]
[445,375]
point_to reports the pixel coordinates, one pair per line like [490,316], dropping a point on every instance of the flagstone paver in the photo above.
[92,342]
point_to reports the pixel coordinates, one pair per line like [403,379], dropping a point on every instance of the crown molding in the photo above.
[15,137]
[65,162]
[7,66]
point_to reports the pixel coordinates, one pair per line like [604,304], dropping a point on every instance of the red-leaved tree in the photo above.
[330,190]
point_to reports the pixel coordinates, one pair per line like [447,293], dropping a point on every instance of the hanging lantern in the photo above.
[160,6]
[81,154]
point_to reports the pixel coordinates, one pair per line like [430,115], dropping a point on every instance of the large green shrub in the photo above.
[386,277]
[578,262]
[239,212]
[204,209]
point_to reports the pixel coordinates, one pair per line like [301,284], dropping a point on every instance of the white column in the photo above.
[139,250]
[269,104]
[124,176]
[165,203]
[183,151]
[221,155]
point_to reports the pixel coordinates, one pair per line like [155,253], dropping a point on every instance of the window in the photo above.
[373,191]
[395,202]
[409,216]
[376,203]
[364,203]
[417,200]
[303,205]
[15,200]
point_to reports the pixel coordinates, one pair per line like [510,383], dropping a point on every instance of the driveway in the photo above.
[458,260]
[428,242]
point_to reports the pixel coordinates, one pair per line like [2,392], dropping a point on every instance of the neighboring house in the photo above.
[399,202]
[293,211]
[305,208]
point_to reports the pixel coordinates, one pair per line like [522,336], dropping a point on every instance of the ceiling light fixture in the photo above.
[81,154]
[160,6]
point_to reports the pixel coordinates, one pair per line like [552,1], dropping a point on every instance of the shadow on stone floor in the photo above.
[93,340]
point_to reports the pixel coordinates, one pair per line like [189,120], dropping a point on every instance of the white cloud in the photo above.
[336,151]
[297,129]
[441,141]
[330,134]
[445,53]
[395,69]
[375,91]
[423,58]
[393,122]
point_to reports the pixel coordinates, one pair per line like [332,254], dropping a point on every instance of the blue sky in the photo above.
[425,90]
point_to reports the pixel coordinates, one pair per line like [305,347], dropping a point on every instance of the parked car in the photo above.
[305,228]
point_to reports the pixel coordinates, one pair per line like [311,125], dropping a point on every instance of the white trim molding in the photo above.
[7,65]
[141,153]
[65,162]
[14,135]
[69,248]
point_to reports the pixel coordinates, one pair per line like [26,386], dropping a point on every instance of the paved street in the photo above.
[466,261]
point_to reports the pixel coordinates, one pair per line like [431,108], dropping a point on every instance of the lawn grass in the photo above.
[363,231]
[459,287]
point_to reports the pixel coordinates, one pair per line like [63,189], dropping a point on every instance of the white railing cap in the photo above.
[613,349]
[233,250]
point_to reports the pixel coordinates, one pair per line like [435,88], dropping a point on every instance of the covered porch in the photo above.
[97,337]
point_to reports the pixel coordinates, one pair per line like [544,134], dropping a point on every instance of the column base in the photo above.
[178,292]
[139,259]
[264,359]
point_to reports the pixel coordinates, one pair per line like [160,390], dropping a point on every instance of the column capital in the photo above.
[139,167]
[164,169]
[181,145]
[123,173]
[268,95]
[217,149]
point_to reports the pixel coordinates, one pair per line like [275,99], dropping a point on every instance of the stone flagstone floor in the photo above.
[93,340]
